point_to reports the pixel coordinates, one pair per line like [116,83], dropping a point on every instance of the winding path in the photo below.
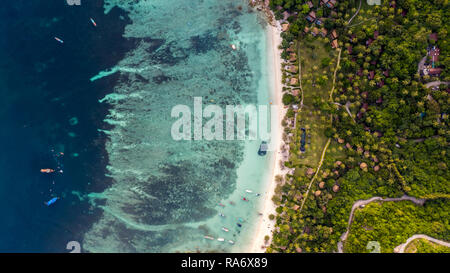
[401,248]
[356,13]
[435,83]
[421,64]
[359,203]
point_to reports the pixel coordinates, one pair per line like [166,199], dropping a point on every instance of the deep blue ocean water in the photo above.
[43,85]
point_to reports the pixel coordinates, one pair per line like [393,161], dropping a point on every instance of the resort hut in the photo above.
[336,188]
[333,34]
[293,69]
[314,31]
[376,168]
[434,71]
[293,57]
[323,32]
[294,81]
[366,154]
[322,185]
[340,140]
[286,15]
[360,150]
[291,49]
[296,207]
[309,171]
[285,27]
[319,21]
[331,4]
[433,37]
[311,17]
[363,166]
[317,193]
[310,4]
[334,44]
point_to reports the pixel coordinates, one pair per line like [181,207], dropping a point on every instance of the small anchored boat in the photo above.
[220,239]
[221,215]
[51,201]
[225,229]
[231,242]
[249,191]
[59,40]
[47,170]
[208,237]
[93,22]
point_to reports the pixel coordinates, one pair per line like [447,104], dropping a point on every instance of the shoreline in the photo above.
[266,226]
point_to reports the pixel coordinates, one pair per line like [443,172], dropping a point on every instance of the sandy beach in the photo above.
[266,226]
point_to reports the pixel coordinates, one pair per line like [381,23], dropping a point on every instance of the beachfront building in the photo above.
[323,32]
[435,72]
[291,49]
[294,81]
[314,31]
[292,68]
[333,35]
[334,44]
[311,17]
[331,4]
[293,57]
[320,21]
[433,37]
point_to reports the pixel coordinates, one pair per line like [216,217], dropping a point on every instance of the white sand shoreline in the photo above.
[266,226]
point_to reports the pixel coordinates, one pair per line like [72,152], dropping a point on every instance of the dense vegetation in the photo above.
[424,246]
[392,223]
[389,131]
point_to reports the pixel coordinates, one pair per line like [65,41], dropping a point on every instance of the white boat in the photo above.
[231,242]
[208,237]
[220,239]
[249,191]
[233,47]
[225,229]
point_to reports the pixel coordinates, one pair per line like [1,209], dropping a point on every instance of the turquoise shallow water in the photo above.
[165,193]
